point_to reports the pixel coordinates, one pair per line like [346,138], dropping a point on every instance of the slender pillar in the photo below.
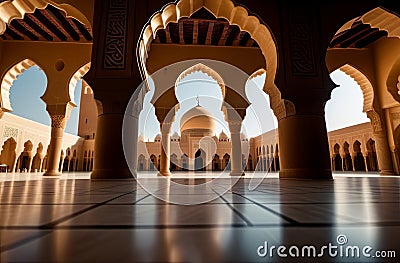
[57,131]
[303,147]
[366,162]
[40,164]
[165,149]
[236,154]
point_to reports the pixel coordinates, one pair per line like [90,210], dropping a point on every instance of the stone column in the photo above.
[40,164]
[130,142]
[303,147]
[58,123]
[383,154]
[381,143]
[365,155]
[165,149]
[236,153]
[109,158]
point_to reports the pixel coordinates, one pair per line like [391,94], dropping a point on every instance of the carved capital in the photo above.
[235,126]
[284,109]
[58,121]
[376,121]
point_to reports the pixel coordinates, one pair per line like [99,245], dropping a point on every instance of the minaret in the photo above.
[88,113]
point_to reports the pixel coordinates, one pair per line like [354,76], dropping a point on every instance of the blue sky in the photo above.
[344,109]
[25,99]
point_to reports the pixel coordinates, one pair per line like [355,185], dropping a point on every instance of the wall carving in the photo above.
[284,109]
[303,60]
[376,121]
[10,132]
[116,38]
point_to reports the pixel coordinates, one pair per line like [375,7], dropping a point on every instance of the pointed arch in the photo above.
[379,18]
[364,83]
[383,20]
[75,78]
[8,79]
[235,15]
[206,70]
[393,80]
[11,10]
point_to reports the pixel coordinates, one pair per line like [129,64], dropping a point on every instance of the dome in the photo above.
[197,118]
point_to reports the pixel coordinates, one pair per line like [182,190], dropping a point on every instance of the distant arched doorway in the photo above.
[226,162]
[216,163]
[359,163]
[347,160]
[337,160]
[371,158]
[199,164]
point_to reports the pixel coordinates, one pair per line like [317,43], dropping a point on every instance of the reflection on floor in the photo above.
[73,219]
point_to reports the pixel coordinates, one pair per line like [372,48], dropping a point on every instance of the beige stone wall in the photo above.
[23,131]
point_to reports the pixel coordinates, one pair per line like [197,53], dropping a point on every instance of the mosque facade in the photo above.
[197,147]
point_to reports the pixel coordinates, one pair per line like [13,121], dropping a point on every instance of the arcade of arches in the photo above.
[115,45]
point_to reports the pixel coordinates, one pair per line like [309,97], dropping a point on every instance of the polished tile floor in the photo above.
[73,219]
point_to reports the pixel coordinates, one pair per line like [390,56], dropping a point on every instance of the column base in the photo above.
[164,173]
[111,174]
[52,173]
[306,174]
[386,172]
[238,173]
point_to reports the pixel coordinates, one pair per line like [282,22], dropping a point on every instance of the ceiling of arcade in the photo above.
[202,35]
[202,28]
[44,21]
[55,35]
[359,35]
[368,47]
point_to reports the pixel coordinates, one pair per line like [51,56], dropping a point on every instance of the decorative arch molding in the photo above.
[383,20]
[206,70]
[377,18]
[17,9]
[364,83]
[393,81]
[235,15]
[8,80]
[75,78]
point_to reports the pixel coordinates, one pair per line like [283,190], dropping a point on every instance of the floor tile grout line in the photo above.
[288,219]
[139,200]
[210,226]
[65,218]
[23,241]
[51,226]
[243,217]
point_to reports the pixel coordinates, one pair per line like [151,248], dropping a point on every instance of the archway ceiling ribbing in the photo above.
[364,30]
[41,20]
[200,31]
